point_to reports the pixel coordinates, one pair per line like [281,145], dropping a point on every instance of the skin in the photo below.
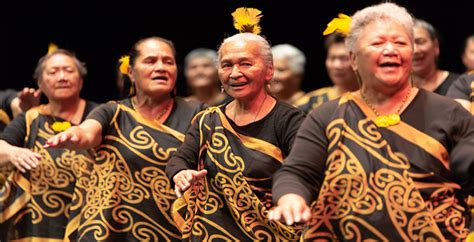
[286,82]
[201,76]
[382,57]
[339,68]
[468,56]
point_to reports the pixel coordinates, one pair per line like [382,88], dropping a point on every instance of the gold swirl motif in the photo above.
[348,193]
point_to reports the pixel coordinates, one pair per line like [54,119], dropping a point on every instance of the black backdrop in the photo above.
[100,34]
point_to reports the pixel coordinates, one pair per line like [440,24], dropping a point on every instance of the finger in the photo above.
[200,174]
[178,192]
[306,216]
[288,216]
[296,213]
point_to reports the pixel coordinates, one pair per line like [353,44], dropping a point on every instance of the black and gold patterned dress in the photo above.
[407,182]
[315,98]
[129,197]
[6,115]
[36,204]
[232,201]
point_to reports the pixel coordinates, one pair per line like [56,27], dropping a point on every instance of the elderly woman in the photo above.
[129,196]
[289,64]
[426,73]
[380,163]
[37,197]
[201,76]
[225,166]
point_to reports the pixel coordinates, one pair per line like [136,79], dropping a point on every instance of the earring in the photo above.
[222,89]
[132,89]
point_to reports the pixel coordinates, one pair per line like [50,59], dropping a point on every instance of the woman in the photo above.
[230,153]
[201,76]
[339,70]
[37,197]
[380,163]
[425,60]
[129,196]
[289,64]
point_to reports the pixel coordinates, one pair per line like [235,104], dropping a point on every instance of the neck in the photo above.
[351,86]
[289,96]
[66,109]
[245,112]
[383,102]
[151,107]
[428,76]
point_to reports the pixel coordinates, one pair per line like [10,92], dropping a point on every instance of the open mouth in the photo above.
[159,78]
[238,84]
[390,64]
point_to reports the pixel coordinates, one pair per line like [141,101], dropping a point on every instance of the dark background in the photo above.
[100,34]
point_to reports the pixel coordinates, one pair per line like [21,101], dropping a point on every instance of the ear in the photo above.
[436,45]
[269,73]
[130,74]
[353,60]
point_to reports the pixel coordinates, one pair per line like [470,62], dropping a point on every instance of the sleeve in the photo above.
[15,132]
[461,88]
[6,98]
[462,153]
[292,122]
[302,172]
[103,114]
[186,156]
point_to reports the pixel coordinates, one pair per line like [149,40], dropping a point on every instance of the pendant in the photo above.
[59,126]
[384,121]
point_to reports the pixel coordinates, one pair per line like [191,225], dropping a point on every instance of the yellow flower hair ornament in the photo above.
[340,24]
[52,47]
[247,20]
[124,62]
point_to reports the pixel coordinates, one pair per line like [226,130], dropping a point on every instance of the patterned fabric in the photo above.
[230,204]
[37,203]
[315,98]
[372,190]
[128,196]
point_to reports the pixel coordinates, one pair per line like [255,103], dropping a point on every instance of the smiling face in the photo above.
[339,66]
[154,71]
[201,72]
[285,79]
[242,69]
[426,51]
[60,78]
[383,55]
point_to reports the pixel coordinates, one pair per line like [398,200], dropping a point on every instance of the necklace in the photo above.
[386,120]
[160,114]
[258,112]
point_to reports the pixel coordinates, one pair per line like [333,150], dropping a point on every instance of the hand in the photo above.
[62,140]
[24,159]
[291,208]
[28,97]
[185,178]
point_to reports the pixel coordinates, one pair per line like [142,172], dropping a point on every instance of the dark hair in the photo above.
[81,67]
[134,52]
[334,38]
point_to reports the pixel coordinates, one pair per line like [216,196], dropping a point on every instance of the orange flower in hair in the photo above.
[124,63]
[52,47]
[247,20]
[340,24]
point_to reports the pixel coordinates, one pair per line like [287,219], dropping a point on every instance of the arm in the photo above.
[298,182]
[22,158]
[181,168]
[87,135]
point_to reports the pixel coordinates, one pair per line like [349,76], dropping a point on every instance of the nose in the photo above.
[62,74]
[159,66]
[235,72]
[389,49]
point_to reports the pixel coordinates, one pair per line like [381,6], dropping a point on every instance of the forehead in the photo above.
[240,48]
[420,32]
[154,47]
[201,60]
[384,29]
[59,60]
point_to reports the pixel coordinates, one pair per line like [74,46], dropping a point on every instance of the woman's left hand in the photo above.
[185,178]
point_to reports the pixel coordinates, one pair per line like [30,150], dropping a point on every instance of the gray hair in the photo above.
[264,46]
[382,11]
[420,23]
[81,67]
[296,58]
[201,53]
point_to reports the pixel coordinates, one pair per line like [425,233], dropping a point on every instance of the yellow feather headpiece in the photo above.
[52,47]
[340,24]
[247,19]
[124,62]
